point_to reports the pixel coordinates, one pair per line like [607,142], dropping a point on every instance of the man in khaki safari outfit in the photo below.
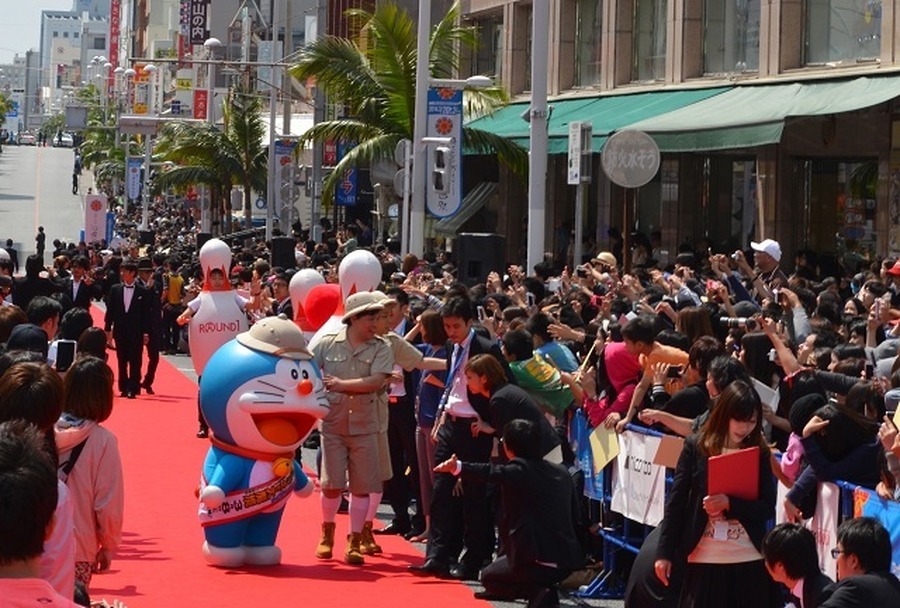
[356,364]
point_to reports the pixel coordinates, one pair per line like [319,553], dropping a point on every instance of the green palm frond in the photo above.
[374,79]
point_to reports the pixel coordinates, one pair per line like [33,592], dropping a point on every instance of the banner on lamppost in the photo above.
[199,21]
[284,169]
[444,119]
[346,189]
[133,178]
[94,218]
[184,29]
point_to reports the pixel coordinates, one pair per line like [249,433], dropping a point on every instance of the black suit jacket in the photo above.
[865,590]
[128,327]
[538,508]
[685,520]
[25,289]
[813,588]
[481,346]
[509,402]
[86,293]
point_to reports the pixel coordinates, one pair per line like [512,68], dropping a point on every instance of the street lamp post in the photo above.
[417,202]
[537,157]
[211,44]
[148,147]
[128,75]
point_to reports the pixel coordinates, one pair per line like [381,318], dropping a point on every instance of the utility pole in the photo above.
[417,211]
[537,157]
[318,117]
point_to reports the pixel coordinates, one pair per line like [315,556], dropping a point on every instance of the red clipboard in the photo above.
[735,474]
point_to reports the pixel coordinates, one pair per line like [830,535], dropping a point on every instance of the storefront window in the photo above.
[487,57]
[730,36]
[842,30]
[841,203]
[589,24]
[649,40]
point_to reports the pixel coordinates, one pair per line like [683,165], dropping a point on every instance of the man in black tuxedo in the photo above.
[791,558]
[459,409]
[863,555]
[127,322]
[80,286]
[539,510]
[13,254]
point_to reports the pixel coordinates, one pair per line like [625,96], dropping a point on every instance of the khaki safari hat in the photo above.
[365,301]
[276,336]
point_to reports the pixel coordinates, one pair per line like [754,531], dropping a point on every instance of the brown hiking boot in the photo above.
[354,556]
[326,543]
[367,545]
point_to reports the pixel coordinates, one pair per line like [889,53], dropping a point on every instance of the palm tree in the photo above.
[221,159]
[375,80]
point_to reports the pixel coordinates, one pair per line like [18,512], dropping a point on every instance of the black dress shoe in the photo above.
[393,528]
[130,395]
[545,598]
[203,433]
[431,567]
[494,597]
[148,389]
[413,532]
[462,572]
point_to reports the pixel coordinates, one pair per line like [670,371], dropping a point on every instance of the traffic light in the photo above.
[440,170]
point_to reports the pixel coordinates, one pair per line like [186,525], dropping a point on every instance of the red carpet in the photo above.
[160,564]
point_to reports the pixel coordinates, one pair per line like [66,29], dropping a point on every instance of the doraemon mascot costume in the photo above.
[261,394]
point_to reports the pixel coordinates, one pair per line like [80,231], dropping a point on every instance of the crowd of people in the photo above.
[441,392]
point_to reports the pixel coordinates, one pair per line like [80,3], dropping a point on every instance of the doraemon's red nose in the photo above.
[305,387]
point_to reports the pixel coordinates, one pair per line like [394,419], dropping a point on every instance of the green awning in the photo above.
[755,115]
[471,204]
[607,114]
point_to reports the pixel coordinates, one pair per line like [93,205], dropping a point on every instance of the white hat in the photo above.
[768,246]
[363,301]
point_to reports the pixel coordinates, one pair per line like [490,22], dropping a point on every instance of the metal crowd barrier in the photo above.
[619,533]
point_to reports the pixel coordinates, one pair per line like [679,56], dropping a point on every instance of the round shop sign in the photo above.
[630,158]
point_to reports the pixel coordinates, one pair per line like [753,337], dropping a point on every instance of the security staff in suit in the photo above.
[539,510]
[792,559]
[147,278]
[459,409]
[127,322]
[80,286]
[863,555]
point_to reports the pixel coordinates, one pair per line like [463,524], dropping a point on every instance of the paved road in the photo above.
[36,190]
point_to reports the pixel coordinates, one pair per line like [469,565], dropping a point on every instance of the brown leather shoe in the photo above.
[368,546]
[326,543]
[354,556]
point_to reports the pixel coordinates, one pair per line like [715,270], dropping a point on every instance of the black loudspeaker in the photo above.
[283,252]
[202,237]
[147,237]
[479,254]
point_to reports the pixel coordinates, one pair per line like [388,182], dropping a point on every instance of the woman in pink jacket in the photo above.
[90,466]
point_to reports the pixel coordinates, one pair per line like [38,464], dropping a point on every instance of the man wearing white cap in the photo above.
[767,275]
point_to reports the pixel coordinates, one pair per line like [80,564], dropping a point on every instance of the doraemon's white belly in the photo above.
[261,473]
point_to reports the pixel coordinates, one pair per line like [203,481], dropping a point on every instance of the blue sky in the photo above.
[20,27]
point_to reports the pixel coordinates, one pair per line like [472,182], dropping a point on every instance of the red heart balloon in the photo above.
[321,303]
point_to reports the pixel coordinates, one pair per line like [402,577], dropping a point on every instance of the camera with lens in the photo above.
[739,322]
[581,273]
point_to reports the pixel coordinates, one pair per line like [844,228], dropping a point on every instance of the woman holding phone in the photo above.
[719,536]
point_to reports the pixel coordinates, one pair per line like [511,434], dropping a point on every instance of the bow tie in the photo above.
[128,286]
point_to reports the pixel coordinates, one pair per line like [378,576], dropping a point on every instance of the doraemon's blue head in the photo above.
[261,401]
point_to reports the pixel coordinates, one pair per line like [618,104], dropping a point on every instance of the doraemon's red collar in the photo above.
[246,452]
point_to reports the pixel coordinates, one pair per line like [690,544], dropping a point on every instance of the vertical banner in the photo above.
[110,226]
[868,504]
[346,190]
[115,16]
[94,218]
[184,30]
[199,30]
[638,485]
[284,166]
[201,104]
[823,524]
[133,178]
[445,120]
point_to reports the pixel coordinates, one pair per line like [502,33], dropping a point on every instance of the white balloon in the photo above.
[359,271]
[301,284]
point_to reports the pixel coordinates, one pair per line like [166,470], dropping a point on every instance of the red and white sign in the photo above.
[115,15]
[94,218]
[201,104]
